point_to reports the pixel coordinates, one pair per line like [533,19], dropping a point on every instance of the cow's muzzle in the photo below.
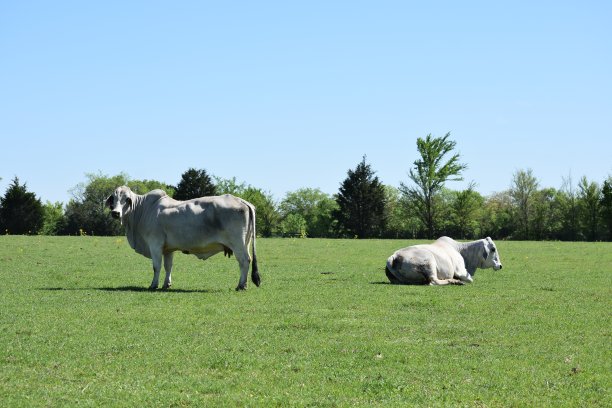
[115,214]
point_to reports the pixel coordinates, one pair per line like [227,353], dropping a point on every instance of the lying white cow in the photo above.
[442,262]
[157,225]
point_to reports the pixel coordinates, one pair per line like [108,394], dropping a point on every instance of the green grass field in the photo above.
[79,328]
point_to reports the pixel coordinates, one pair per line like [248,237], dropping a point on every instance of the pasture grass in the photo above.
[325,329]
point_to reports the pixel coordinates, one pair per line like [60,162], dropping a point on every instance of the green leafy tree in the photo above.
[546,216]
[267,215]
[86,212]
[465,209]
[230,186]
[293,225]
[589,196]
[54,220]
[145,186]
[497,219]
[324,224]
[361,203]
[606,207]
[522,192]
[567,200]
[429,175]
[400,222]
[21,212]
[194,183]
[314,206]
[443,213]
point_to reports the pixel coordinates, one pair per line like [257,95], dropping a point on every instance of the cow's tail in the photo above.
[254,270]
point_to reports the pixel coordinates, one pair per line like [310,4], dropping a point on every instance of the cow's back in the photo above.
[202,221]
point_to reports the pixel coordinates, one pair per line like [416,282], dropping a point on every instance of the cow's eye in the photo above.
[493,249]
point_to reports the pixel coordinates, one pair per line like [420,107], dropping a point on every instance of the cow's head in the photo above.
[490,255]
[120,202]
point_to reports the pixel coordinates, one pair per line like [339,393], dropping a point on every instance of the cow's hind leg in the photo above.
[391,277]
[429,271]
[244,260]
[168,267]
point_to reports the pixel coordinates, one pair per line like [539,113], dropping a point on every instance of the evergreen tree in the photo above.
[361,203]
[20,211]
[194,184]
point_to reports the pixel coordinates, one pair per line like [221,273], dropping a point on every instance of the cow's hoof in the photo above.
[152,287]
[166,287]
[240,287]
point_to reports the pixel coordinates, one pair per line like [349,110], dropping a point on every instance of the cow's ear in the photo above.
[109,201]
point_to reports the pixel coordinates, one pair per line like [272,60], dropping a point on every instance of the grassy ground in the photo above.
[77,327]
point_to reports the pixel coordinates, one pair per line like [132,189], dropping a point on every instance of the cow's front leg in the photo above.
[463,275]
[468,278]
[168,267]
[156,257]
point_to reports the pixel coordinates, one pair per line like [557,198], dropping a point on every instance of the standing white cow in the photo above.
[442,262]
[157,225]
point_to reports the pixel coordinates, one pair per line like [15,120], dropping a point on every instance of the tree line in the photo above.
[363,207]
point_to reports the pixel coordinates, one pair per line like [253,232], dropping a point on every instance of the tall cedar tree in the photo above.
[361,203]
[20,211]
[606,206]
[194,184]
[429,175]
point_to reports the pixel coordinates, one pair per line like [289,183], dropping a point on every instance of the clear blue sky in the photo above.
[284,95]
